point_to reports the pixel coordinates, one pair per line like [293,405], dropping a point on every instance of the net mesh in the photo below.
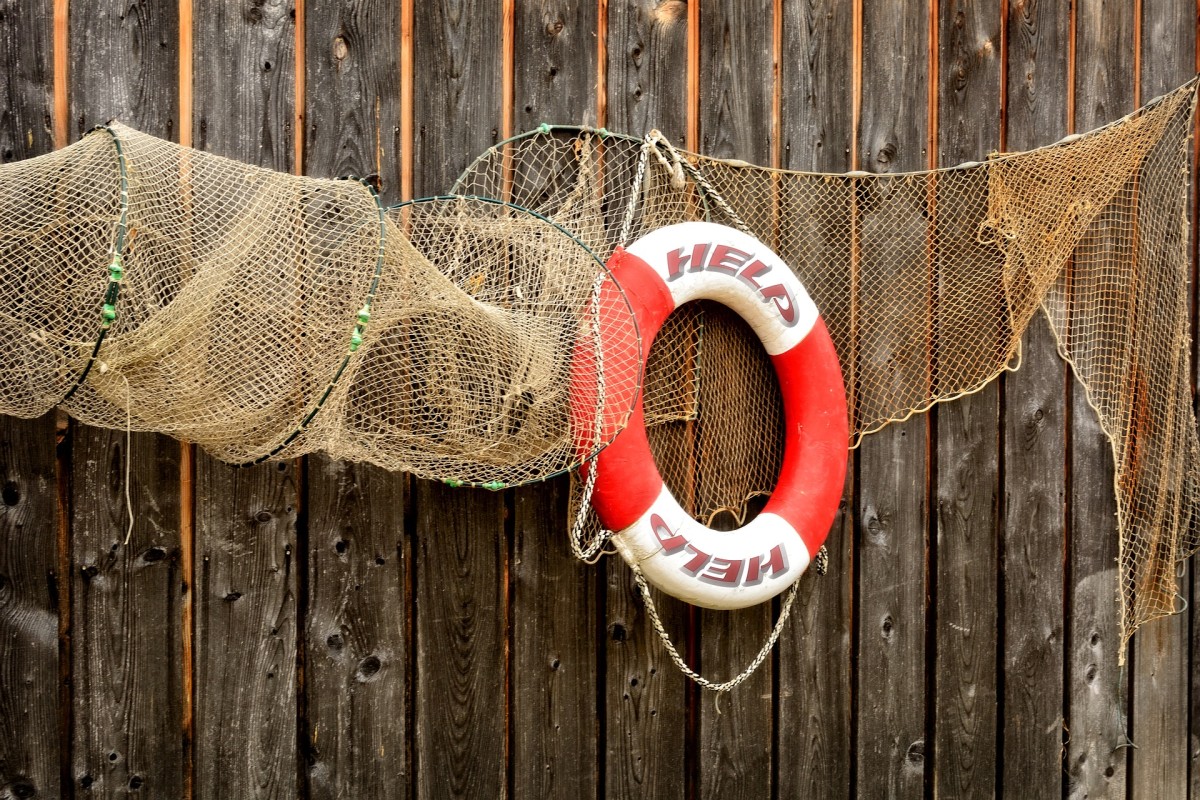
[264,316]
[927,281]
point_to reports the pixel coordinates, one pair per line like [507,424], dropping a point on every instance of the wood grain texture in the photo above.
[245,551]
[29,596]
[645,697]
[736,85]
[555,720]
[126,598]
[461,549]
[555,665]
[30,757]
[893,508]
[356,635]
[1098,719]
[356,632]
[126,614]
[1158,720]
[813,742]
[462,679]
[1034,535]
[457,103]
[352,91]
[968,441]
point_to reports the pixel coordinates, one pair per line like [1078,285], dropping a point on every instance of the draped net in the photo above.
[264,316]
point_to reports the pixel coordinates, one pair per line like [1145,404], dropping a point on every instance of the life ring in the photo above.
[717,569]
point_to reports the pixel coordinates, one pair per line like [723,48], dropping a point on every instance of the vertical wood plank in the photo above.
[815,673]
[554,597]
[246,574]
[555,671]
[1098,717]
[736,85]
[893,463]
[968,444]
[29,585]
[356,631]
[126,599]
[357,664]
[1158,768]
[461,548]
[1035,451]
[645,697]
[30,757]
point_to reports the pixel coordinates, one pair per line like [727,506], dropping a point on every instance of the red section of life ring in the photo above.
[717,569]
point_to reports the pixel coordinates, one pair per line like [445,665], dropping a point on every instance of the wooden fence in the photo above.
[322,629]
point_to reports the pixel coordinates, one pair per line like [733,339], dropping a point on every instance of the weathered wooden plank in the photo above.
[645,697]
[127,614]
[893,463]
[356,634]
[352,91]
[461,551]
[736,90]
[968,444]
[30,584]
[247,578]
[1034,452]
[126,599]
[555,665]
[1097,686]
[29,580]
[356,666]
[1159,721]
[813,755]
[554,670]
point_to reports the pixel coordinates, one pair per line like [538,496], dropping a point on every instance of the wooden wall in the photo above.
[321,629]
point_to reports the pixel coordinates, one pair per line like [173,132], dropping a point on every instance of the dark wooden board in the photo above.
[814,693]
[1158,720]
[736,101]
[968,441]
[893,508]
[357,670]
[645,698]
[30,584]
[555,719]
[246,571]
[460,546]
[127,665]
[1035,468]
[555,665]
[352,91]
[1098,687]
[29,591]
[357,628]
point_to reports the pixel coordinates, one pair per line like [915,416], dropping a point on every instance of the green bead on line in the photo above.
[494,485]
[108,313]
[453,484]
[356,340]
[364,315]
[116,270]
[544,127]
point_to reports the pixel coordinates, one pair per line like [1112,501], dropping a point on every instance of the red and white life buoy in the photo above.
[734,569]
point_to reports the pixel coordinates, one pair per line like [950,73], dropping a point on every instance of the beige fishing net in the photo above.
[264,316]
[927,282]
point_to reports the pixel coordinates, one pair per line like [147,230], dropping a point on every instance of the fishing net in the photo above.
[927,281]
[263,316]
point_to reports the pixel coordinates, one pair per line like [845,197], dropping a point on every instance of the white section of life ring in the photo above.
[708,568]
[714,281]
